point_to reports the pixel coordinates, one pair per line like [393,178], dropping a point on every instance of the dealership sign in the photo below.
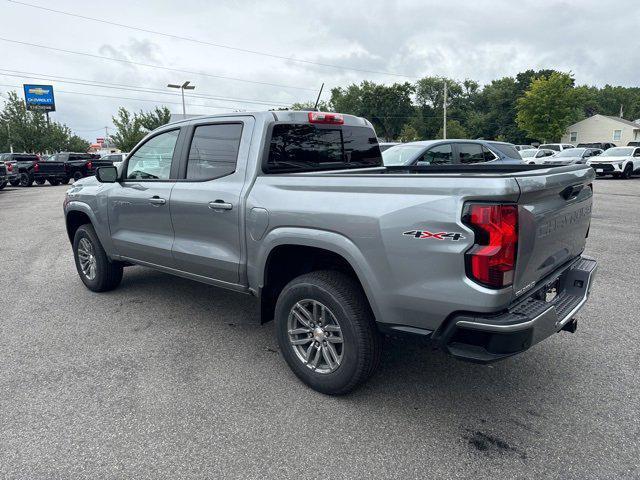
[39,97]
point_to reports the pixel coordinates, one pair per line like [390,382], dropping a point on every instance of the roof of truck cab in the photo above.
[272,115]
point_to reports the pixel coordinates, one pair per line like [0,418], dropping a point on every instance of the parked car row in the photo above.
[25,169]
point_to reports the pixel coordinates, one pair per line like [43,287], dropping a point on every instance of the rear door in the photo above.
[471,153]
[555,214]
[139,215]
[206,203]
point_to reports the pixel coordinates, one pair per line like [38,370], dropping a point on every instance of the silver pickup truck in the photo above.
[297,210]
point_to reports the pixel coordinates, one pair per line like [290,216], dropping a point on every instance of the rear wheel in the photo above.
[54,181]
[77,176]
[40,181]
[64,181]
[326,331]
[26,179]
[3,184]
[96,271]
[15,183]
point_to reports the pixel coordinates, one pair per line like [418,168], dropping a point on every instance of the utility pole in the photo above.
[444,110]
[9,135]
[183,87]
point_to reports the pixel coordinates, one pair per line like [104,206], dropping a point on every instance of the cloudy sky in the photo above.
[355,40]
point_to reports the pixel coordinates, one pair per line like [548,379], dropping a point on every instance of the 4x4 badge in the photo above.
[420,234]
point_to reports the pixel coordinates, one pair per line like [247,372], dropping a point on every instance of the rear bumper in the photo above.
[485,338]
[47,176]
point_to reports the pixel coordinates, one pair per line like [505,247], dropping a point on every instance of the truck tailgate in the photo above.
[555,214]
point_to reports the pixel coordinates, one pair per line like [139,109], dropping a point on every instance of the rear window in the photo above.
[24,158]
[506,149]
[311,148]
[83,156]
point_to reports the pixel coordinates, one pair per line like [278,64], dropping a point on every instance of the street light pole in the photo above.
[183,87]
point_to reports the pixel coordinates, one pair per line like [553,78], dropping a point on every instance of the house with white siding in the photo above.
[603,128]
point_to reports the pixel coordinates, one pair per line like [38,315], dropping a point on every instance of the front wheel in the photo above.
[65,181]
[626,173]
[15,183]
[54,182]
[77,176]
[326,331]
[26,180]
[96,271]
[3,184]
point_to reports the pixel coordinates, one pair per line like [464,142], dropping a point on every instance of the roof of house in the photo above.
[622,120]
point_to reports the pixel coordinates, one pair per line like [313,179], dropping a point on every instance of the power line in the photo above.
[121,86]
[149,65]
[211,44]
[130,98]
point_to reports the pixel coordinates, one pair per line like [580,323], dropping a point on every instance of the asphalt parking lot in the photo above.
[165,377]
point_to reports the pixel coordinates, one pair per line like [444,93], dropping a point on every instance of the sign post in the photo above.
[39,98]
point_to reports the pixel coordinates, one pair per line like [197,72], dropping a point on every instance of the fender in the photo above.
[100,224]
[311,237]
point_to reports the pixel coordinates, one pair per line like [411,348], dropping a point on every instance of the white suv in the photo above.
[621,162]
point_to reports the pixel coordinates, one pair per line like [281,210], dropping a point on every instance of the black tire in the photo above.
[362,343]
[3,184]
[15,183]
[54,181]
[108,274]
[40,181]
[77,176]
[64,181]
[26,179]
[628,171]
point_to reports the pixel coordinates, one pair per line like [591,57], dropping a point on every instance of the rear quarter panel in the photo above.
[408,281]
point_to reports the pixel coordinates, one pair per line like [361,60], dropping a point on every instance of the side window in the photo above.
[214,151]
[637,152]
[488,154]
[152,161]
[438,155]
[471,153]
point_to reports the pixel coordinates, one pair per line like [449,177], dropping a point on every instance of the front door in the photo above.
[206,202]
[139,215]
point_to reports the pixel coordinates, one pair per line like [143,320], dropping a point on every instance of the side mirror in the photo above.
[108,174]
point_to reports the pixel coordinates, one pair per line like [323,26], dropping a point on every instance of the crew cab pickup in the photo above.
[79,165]
[297,210]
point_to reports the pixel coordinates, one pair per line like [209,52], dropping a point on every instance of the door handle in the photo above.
[220,205]
[156,201]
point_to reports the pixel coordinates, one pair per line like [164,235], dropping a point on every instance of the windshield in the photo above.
[571,152]
[528,153]
[400,154]
[618,152]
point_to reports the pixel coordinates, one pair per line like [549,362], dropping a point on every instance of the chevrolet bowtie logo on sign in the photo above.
[39,98]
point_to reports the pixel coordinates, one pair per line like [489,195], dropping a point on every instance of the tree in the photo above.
[132,127]
[454,130]
[548,107]
[129,131]
[388,107]
[156,118]
[31,132]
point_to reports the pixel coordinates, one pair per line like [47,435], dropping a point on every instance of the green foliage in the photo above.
[30,132]
[132,127]
[387,106]
[454,130]
[548,107]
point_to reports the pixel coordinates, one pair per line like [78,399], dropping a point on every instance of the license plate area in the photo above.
[599,170]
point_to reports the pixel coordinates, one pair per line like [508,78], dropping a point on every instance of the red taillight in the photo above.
[492,259]
[89,165]
[327,118]
[36,167]
[9,167]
